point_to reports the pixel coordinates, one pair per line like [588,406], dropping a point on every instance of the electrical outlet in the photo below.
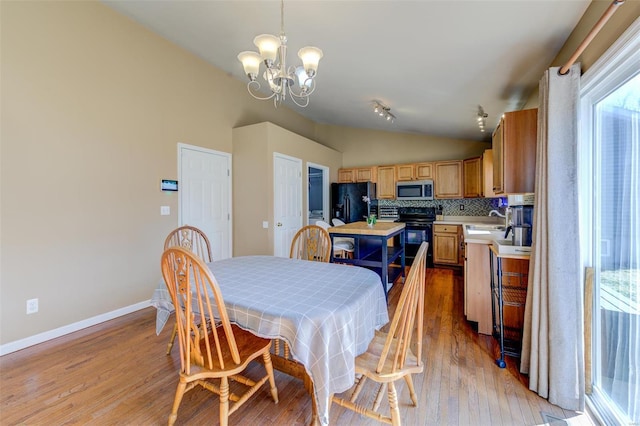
[32,306]
[461,206]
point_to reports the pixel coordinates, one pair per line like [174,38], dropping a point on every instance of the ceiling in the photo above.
[432,62]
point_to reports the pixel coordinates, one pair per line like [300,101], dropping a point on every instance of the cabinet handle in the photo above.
[279,224]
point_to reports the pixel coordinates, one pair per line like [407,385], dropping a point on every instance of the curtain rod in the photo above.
[594,31]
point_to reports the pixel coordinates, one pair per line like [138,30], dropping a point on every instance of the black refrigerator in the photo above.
[347,203]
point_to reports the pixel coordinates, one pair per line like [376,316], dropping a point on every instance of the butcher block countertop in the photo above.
[381,229]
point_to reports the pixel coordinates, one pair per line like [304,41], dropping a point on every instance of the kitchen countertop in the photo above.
[473,220]
[470,220]
[361,228]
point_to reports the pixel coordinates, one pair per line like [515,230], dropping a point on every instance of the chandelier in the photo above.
[281,80]
[383,111]
[482,118]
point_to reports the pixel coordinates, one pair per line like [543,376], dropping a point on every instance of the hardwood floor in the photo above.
[117,373]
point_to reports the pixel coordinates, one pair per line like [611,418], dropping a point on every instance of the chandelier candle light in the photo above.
[281,80]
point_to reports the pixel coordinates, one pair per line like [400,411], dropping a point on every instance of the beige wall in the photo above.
[626,14]
[362,147]
[253,150]
[93,106]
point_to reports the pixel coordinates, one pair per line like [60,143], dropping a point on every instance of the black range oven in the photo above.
[418,228]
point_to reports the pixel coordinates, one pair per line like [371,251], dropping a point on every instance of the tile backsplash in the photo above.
[470,206]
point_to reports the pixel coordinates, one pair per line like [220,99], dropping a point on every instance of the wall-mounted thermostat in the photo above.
[168,185]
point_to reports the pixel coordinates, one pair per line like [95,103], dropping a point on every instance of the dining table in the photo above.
[326,313]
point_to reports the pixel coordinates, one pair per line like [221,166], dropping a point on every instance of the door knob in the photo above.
[279,224]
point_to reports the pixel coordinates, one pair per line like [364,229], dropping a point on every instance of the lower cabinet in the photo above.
[447,249]
[477,286]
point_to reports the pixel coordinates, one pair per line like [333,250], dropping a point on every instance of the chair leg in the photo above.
[358,388]
[393,404]
[176,402]
[272,381]
[173,338]
[412,391]
[378,400]
[224,401]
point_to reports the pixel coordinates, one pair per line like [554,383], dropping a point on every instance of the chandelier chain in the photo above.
[281,17]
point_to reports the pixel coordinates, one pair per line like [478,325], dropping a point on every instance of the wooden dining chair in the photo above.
[390,356]
[311,242]
[194,240]
[191,238]
[212,349]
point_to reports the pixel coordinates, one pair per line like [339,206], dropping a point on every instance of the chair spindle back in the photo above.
[204,330]
[192,239]
[311,243]
[410,309]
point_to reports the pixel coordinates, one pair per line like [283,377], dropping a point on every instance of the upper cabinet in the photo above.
[472,172]
[405,172]
[448,179]
[358,174]
[424,171]
[487,174]
[514,152]
[417,171]
[386,186]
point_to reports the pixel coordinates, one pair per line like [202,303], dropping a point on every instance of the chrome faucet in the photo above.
[506,216]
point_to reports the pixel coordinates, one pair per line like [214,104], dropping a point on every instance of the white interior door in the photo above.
[287,188]
[205,195]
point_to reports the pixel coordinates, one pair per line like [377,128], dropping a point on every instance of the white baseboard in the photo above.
[17,345]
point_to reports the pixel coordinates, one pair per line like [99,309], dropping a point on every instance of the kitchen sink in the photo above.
[495,230]
[507,247]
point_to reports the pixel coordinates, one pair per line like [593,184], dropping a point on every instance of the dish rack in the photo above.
[508,289]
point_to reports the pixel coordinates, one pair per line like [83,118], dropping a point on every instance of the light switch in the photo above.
[265,224]
[165,210]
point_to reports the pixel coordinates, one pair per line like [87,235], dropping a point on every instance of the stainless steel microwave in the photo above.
[414,190]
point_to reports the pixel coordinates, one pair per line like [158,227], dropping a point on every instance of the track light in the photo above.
[383,111]
[482,118]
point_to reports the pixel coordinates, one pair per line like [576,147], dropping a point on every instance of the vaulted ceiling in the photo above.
[432,62]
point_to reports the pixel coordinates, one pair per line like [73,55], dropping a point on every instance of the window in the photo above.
[610,182]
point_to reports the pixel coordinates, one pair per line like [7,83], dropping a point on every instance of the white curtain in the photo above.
[553,347]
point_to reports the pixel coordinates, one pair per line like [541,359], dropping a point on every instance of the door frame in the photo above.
[183,146]
[325,191]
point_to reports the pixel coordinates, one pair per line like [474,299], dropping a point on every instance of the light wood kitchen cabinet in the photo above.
[386,186]
[358,174]
[423,171]
[514,152]
[417,171]
[472,172]
[487,174]
[477,287]
[448,179]
[346,175]
[446,244]
[405,172]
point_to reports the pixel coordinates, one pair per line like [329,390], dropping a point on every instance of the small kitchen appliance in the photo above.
[521,226]
[414,190]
